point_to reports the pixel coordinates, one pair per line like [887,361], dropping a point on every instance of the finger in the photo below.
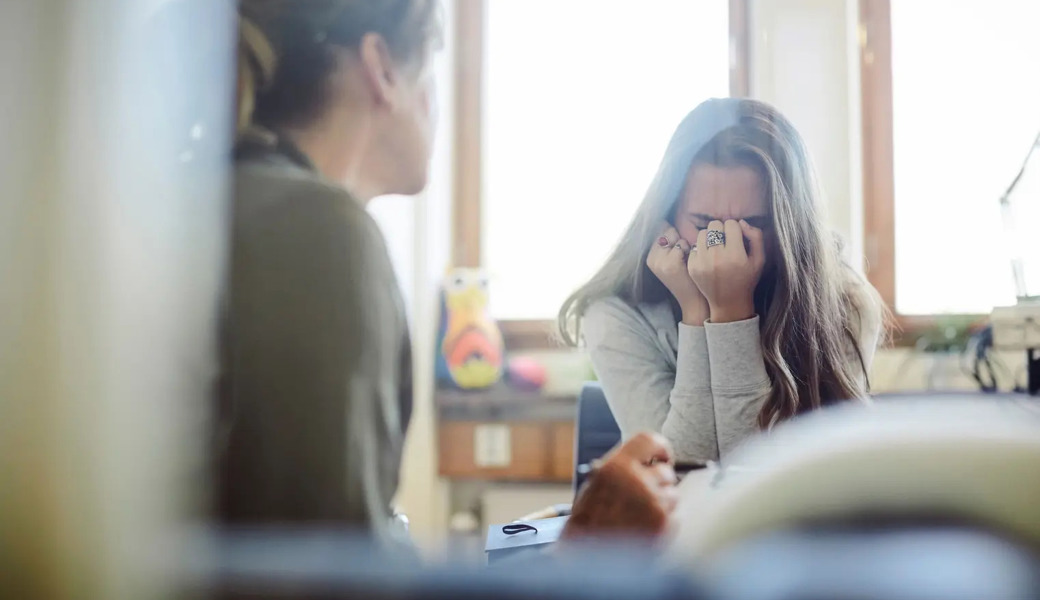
[662,245]
[702,240]
[719,227]
[646,447]
[698,254]
[681,248]
[664,474]
[756,241]
[676,257]
[734,233]
[670,235]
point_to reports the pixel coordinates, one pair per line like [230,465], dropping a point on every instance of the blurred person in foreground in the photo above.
[336,107]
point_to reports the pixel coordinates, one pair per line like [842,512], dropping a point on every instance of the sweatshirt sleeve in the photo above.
[739,381]
[644,392]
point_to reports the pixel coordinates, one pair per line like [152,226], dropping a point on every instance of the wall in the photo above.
[805,61]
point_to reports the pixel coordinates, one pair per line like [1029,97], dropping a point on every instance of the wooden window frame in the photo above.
[875,42]
[469,22]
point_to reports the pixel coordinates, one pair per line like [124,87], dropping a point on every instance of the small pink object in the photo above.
[526,373]
[662,241]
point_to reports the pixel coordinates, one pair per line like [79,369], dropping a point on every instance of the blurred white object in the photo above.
[1017,192]
[695,491]
[1017,327]
[114,144]
[977,460]
[399,527]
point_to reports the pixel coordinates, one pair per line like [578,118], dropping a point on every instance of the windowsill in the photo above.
[909,330]
[530,334]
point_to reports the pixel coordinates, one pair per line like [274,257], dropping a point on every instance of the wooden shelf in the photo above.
[534,435]
[502,403]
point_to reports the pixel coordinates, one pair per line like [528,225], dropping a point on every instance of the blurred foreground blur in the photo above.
[113,141]
[114,136]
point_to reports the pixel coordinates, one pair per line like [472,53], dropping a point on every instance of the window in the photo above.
[572,132]
[965,109]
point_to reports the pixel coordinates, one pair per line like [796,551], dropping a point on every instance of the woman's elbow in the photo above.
[687,444]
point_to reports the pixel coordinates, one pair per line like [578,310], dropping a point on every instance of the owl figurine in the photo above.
[470,349]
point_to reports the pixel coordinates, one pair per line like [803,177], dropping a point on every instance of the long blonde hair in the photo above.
[810,301]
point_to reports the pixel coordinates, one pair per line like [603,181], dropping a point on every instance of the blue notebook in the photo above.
[510,539]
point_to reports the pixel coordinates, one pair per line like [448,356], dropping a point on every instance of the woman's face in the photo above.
[719,194]
[402,104]
[414,127]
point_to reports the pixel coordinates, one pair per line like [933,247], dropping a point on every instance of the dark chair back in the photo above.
[596,430]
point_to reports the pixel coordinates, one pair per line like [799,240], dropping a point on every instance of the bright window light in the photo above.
[581,97]
[966,108]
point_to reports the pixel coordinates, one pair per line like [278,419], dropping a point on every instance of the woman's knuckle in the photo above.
[642,437]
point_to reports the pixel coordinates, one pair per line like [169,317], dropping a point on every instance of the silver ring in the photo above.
[716,238]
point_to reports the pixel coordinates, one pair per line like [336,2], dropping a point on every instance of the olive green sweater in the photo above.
[316,374]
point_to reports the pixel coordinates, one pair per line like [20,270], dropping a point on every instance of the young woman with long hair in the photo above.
[727,306]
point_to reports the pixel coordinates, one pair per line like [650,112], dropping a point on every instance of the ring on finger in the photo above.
[715,238]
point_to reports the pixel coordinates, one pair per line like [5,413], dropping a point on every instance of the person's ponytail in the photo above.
[302,41]
[257,62]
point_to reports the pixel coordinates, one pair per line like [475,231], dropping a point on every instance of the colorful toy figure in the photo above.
[470,344]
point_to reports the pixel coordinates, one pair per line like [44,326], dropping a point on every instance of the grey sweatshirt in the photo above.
[701,387]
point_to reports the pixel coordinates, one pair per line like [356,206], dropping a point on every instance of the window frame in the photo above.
[875,44]
[467,203]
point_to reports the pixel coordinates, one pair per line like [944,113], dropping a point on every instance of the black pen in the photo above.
[681,468]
